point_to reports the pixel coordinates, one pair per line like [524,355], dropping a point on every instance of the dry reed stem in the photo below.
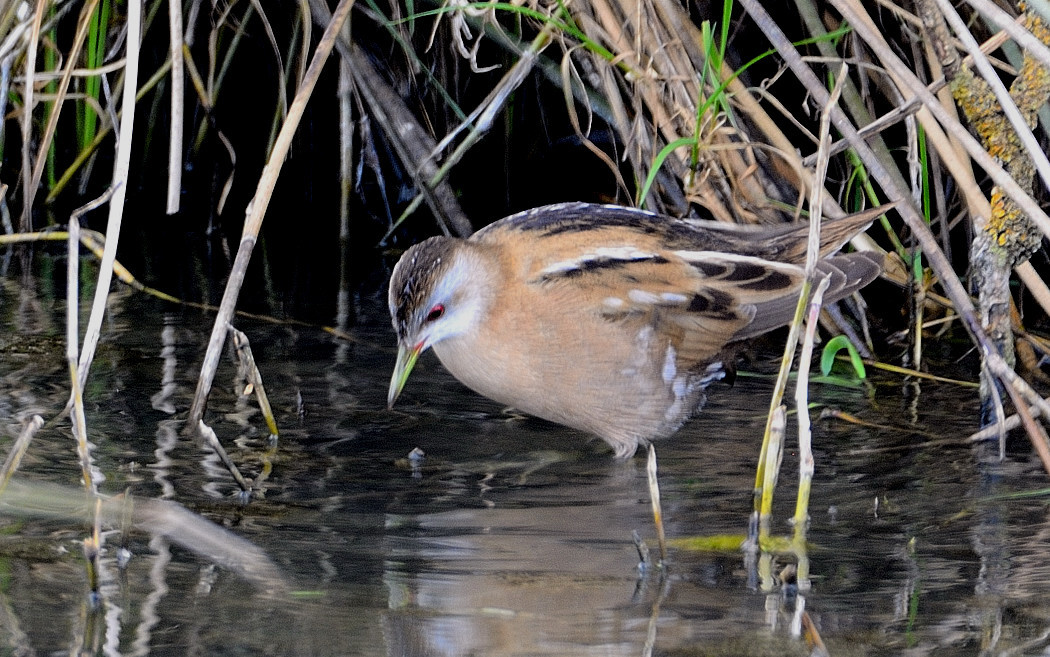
[256,211]
[254,377]
[480,121]
[1011,28]
[118,187]
[207,434]
[28,192]
[72,340]
[890,180]
[175,29]
[654,501]
[411,141]
[658,45]
[763,500]
[806,465]
[770,457]
[906,80]
[18,450]
[346,149]
[1011,141]
[805,435]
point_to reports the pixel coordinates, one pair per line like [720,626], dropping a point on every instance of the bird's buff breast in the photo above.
[583,374]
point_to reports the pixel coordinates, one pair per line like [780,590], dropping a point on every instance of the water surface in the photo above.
[511,536]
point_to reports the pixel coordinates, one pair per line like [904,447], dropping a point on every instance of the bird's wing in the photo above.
[700,300]
[641,270]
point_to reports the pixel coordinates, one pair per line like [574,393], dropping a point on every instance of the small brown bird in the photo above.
[607,319]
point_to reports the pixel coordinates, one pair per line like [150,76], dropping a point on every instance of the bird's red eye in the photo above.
[436,312]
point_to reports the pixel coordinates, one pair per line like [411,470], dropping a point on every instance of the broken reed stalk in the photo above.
[776,422]
[254,377]
[654,500]
[256,210]
[771,457]
[18,450]
[211,440]
[251,373]
[763,496]
[479,121]
[28,192]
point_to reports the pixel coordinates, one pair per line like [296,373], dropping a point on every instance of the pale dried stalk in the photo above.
[28,191]
[175,30]
[657,44]
[18,450]
[72,340]
[119,186]
[890,180]
[256,211]
[906,81]
[1002,20]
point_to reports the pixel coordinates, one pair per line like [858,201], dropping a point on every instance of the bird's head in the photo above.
[434,295]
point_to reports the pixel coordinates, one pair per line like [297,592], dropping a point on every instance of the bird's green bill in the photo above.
[406,360]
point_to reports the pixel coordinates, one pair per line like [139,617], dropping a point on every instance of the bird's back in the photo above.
[614,320]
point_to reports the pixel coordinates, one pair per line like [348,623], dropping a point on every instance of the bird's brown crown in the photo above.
[414,279]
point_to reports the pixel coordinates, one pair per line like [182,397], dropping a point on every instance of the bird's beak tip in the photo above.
[406,360]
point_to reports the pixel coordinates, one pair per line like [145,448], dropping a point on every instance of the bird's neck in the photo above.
[482,276]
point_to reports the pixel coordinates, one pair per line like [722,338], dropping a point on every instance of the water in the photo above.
[512,536]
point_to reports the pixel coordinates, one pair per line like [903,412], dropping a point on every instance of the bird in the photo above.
[607,319]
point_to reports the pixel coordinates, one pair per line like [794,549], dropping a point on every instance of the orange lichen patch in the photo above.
[1031,87]
[1008,227]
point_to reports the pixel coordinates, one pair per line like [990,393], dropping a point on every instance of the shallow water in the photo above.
[512,536]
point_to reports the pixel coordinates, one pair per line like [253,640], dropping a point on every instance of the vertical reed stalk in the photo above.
[28,191]
[72,340]
[118,186]
[654,499]
[177,86]
[805,434]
